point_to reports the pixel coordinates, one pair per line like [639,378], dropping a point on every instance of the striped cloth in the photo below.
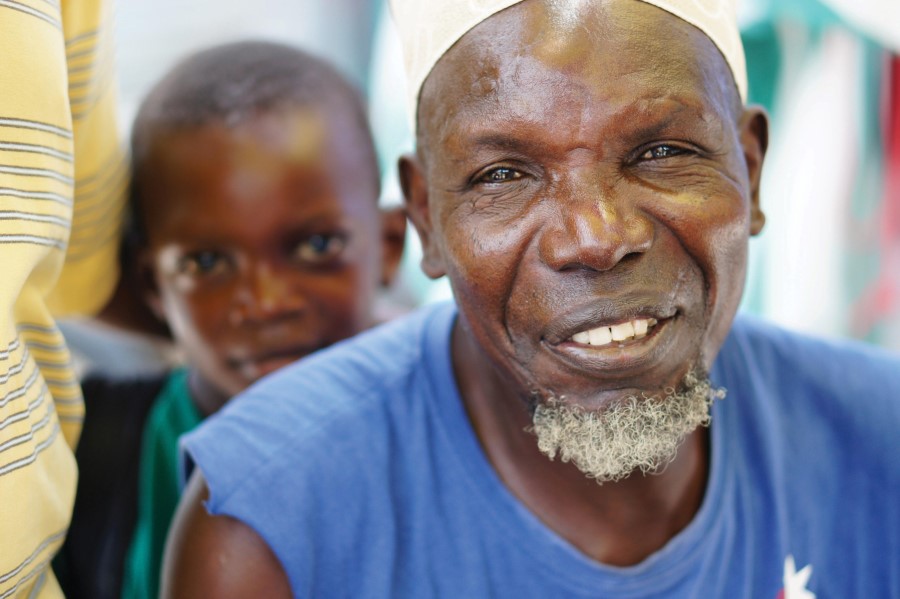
[61,169]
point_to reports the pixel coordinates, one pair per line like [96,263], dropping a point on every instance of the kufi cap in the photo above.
[428,28]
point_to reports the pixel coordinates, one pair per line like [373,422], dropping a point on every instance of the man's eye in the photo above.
[321,248]
[204,263]
[662,151]
[500,175]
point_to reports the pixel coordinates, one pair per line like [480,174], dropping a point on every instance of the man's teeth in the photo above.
[634,329]
[599,336]
[640,327]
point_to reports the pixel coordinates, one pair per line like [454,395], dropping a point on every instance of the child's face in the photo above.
[264,240]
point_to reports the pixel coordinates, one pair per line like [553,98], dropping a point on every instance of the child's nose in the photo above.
[266,295]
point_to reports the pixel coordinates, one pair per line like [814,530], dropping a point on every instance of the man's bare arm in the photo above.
[217,556]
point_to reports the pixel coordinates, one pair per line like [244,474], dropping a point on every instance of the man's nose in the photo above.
[595,228]
[266,294]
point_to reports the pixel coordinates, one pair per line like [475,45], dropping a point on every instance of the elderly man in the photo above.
[587,176]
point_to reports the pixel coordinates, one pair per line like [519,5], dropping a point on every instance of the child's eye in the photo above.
[320,248]
[204,263]
[662,151]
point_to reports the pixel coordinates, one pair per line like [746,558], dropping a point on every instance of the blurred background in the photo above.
[827,71]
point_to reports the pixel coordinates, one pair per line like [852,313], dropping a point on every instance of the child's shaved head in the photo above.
[231,82]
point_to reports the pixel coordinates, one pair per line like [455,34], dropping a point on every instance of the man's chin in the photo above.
[635,433]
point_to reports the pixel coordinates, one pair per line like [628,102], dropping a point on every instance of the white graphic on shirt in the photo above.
[795,582]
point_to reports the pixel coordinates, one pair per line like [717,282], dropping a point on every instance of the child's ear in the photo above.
[415,193]
[393,238]
[145,281]
[135,305]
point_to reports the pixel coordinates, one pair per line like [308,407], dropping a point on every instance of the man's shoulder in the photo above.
[313,456]
[843,391]
[328,407]
[344,378]
[832,362]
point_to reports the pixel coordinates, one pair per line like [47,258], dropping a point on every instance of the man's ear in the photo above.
[754,135]
[393,238]
[415,194]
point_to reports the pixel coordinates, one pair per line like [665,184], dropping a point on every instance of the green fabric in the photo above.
[764,61]
[172,415]
[780,36]
[864,255]
[766,29]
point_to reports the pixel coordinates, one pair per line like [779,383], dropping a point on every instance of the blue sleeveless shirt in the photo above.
[360,469]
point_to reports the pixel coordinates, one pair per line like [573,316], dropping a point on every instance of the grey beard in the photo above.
[634,433]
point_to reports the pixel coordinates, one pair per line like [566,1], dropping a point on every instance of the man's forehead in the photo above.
[491,86]
[540,36]
[527,66]
[429,29]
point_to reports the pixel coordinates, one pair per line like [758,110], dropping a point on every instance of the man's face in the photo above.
[263,240]
[587,181]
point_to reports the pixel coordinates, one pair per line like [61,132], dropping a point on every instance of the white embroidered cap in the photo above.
[428,28]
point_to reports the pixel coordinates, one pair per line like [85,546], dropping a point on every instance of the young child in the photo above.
[258,239]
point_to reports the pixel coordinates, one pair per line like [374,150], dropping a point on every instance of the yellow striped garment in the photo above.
[62,170]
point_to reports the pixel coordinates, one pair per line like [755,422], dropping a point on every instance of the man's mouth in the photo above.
[626,345]
[623,332]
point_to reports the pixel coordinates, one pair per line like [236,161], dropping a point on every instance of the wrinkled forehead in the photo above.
[566,67]
[430,29]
